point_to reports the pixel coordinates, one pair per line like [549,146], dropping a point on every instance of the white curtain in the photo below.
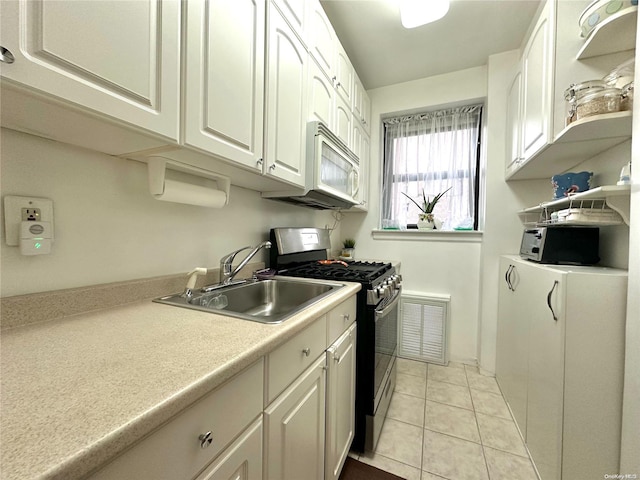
[432,152]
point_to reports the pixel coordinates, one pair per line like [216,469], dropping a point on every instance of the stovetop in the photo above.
[365,272]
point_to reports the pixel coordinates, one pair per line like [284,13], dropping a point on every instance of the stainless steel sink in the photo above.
[266,301]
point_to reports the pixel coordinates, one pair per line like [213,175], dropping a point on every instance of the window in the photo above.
[432,152]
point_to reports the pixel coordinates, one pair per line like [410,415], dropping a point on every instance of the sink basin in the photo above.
[266,301]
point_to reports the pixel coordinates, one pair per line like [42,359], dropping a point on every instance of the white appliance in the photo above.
[560,363]
[333,173]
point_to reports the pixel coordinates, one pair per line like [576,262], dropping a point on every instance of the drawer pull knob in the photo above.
[336,358]
[205,439]
[306,351]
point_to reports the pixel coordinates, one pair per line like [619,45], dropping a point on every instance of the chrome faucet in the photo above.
[227,272]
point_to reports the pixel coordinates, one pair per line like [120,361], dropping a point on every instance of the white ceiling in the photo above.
[383,52]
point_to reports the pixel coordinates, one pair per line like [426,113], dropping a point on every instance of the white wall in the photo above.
[108,227]
[430,266]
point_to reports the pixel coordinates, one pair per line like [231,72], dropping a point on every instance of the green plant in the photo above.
[349,243]
[427,205]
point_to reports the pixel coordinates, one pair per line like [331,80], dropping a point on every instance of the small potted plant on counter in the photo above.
[348,249]
[426,220]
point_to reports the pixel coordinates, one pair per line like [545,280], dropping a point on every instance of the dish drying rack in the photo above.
[601,206]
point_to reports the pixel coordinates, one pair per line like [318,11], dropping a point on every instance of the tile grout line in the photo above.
[475,416]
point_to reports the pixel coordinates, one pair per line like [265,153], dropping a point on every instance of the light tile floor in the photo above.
[449,422]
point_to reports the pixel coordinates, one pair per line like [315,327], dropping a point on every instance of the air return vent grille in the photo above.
[424,324]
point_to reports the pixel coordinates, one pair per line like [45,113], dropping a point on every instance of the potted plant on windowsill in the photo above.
[348,250]
[426,219]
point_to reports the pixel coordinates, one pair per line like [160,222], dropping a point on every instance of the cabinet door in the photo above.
[286,103]
[225,79]
[321,38]
[363,193]
[512,345]
[366,111]
[240,461]
[343,121]
[344,75]
[321,96]
[341,400]
[294,12]
[119,60]
[546,369]
[514,125]
[537,64]
[294,428]
[357,97]
[356,137]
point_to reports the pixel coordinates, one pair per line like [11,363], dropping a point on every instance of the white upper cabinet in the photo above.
[514,123]
[344,121]
[344,75]
[321,39]
[295,13]
[286,105]
[321,96]
[537,64]
[120,60]
[224,79]
[361,104]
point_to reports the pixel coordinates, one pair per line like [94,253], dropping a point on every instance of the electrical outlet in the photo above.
[30,214]
[21,209]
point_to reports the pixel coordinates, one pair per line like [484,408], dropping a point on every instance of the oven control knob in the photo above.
[384,291]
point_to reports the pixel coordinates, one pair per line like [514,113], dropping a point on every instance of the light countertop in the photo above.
[80,390]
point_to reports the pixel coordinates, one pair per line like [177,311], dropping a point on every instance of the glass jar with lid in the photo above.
[626,102]
[598,103]
[575,92]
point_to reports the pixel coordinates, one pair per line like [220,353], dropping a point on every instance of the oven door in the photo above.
[386,341]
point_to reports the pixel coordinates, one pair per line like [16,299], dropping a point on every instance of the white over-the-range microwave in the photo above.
[332,173]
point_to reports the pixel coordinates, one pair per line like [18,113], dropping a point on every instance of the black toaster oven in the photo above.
[562,245]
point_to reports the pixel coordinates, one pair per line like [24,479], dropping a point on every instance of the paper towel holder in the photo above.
[157,169]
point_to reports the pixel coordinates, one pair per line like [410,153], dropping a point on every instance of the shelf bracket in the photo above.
[622,205]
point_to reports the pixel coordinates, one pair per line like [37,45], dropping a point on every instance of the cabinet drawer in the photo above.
[289,360]
[340,318]
[173,451]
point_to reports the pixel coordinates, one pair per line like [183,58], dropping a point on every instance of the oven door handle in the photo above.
[389,306]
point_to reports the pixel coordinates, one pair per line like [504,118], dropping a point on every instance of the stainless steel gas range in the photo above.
[302,252]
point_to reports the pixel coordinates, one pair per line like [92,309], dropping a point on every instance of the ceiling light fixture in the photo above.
[414,13]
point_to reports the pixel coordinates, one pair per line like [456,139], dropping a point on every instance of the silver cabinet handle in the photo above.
[205,439]
[306,351]
[272,166]
[555,284]
[6,56]
[336,358]
[259,162]
[345,317]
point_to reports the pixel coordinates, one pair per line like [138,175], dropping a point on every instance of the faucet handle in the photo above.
[229,257]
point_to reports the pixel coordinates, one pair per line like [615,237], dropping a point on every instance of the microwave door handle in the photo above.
[355,182]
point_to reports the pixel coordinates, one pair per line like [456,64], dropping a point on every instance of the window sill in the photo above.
[464,236]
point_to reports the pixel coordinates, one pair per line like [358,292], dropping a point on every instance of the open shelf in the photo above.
[578,142]
[606,205]
[615,34]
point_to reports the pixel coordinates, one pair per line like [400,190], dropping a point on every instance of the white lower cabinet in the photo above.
[294,428]
[341,401]
[289,416]
[193,439]
[560,362]
[242,460]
